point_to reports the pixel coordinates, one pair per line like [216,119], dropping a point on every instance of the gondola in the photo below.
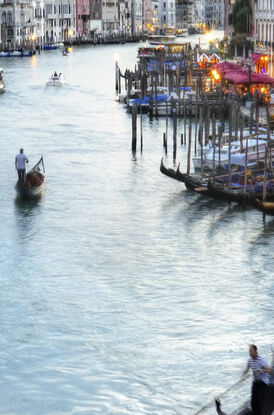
[197,183]
[244,410]
[174,174]
[33,184]
[221,191]
[267,207]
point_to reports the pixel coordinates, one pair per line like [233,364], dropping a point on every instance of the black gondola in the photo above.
[174,174]
[33,184]
[267,207]
[197,183]
[223,192]
[244,410]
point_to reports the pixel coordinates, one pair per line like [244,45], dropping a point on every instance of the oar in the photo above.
[221,395]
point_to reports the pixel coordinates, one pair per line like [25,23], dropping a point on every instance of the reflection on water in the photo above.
[121,291]
[27,207]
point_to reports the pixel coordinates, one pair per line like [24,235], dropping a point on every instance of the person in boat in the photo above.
[55,74]
[20,164]
[261,380]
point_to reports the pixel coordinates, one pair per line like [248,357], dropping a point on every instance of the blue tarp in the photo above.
[145,101]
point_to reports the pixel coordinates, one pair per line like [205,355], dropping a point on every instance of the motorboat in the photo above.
[2,84]
[55,80]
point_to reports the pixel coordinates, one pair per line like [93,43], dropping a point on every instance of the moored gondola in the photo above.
[174,174]
[267,207]
[197,183]
[33,184]
[222,191]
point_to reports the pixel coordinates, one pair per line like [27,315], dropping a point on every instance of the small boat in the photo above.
[15,53]
[49,47]
[27,53]
[2,84]
[33,184]
[174,174]
[55,80]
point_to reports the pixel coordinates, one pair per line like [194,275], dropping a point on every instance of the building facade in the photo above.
[264,22]
[59,21]
[214,14]
[167,14]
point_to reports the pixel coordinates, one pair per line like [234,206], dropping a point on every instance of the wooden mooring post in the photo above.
[174,115]
[134,128]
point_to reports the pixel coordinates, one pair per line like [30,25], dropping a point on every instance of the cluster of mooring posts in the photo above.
[229,145]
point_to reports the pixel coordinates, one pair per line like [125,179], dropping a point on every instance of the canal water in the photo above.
[121,291]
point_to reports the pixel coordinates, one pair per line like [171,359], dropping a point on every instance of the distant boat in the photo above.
[55,80]
[33,184]
[49,47]
[15,53]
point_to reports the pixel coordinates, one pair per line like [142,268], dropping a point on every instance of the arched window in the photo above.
[9,18]
[4,18]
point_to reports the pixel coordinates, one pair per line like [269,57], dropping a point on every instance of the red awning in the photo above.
[226,66]
[242,77]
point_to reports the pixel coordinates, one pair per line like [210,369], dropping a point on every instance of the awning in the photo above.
[243,77]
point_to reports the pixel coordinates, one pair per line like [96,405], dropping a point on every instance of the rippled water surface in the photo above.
[121,291]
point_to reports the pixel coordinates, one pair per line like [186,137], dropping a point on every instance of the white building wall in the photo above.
[167,14]
[60,21]
[264,22]
[137,16]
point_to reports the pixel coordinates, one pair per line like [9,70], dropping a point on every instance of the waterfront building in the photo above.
[124,13]
[82,19]
[95,21]
[184,14]
[264,22]
[110,17]
[198,13]
[39,20]
[167,13]
[214,14]
[150,15]
[136,17]
[60,20]
[17,23]
[228,27]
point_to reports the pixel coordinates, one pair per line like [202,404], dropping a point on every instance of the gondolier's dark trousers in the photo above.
[21,174]
[259,396]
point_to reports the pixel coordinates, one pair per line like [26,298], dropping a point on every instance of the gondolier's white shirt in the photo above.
[21,161]
[257,366]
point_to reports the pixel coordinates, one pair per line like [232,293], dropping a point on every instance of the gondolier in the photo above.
[261,380]
[20,164]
